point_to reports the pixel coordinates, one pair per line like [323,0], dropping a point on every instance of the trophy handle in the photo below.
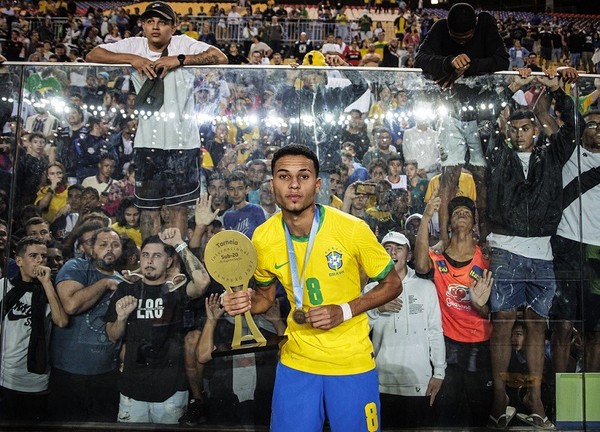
[255,334]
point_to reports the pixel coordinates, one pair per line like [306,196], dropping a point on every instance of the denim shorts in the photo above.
[458,137]
[167,412]
[520,281]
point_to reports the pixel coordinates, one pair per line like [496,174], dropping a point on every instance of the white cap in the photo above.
[413,217]
[395,237]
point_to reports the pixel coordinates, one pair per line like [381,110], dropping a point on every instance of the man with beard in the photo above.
[83,379]
[148,315]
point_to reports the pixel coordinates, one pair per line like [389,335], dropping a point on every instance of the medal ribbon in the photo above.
[298,283]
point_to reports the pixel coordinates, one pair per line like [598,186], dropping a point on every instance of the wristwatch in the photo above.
[181,58]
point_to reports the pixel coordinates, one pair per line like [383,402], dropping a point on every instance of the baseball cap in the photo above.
[159,9]
[461,201]
[395,237]
[103,75]
[412,217]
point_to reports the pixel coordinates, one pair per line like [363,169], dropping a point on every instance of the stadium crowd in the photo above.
[391,31]
[382,138]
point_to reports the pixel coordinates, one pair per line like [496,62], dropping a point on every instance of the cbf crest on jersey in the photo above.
[334,260]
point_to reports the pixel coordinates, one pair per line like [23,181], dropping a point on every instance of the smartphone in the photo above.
[366,188]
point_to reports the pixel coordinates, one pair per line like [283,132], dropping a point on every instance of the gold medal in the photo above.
[299,317]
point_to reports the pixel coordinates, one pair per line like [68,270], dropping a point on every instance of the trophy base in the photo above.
[224,350]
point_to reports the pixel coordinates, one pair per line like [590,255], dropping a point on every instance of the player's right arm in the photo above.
[256,301]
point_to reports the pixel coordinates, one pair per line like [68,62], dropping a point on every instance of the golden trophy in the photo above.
[231,259]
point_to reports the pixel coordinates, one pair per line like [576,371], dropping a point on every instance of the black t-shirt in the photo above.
[153,368]
[237,59]
[300,50]
[546,39]
[588,45]
[12,50]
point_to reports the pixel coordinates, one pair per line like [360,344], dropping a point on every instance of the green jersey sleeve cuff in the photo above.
[266,283]
[385,271]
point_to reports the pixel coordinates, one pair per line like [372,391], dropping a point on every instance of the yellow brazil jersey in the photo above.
[343,245]
[466,186]
[59,200]
[133,233]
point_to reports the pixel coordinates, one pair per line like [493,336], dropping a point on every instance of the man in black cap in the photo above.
[166,152]
[464,44]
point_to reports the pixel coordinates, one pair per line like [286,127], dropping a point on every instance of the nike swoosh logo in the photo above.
[12,316]
[278,266]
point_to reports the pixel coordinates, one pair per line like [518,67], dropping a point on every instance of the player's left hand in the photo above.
[433,388]
[165,64]
[325,317]
[171,236]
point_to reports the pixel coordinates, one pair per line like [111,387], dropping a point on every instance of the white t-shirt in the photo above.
[524,158]
[174,128]
[92,181]
[528,247]
[16,330]
[590,201]
[260,46]
[401,184]
[329,47]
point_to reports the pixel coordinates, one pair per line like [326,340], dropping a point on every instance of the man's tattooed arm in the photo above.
[197,271]
[212,56]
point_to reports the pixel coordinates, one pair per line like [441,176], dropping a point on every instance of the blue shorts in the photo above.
[520,281]
[301,401]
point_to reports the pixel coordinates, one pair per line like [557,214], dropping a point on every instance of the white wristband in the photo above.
[180,247]
[347,312]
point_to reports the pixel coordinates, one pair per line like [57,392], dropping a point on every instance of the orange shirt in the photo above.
[460,320]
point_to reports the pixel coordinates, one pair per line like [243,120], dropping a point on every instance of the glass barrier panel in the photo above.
[483,195]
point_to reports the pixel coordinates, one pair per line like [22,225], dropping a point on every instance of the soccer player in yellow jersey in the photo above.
[317,253]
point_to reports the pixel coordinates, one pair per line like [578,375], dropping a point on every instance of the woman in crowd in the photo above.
[52,196]
[128,221]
